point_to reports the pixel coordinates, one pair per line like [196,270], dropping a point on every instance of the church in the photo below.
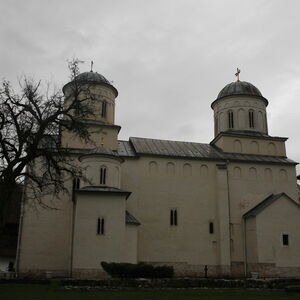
[231,205]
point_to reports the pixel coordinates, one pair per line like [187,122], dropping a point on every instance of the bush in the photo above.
[140,270]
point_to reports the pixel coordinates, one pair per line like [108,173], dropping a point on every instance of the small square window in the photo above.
[285,240]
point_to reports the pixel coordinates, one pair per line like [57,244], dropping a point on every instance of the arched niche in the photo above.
[268,174]
[204,171]
[221,122]
[254,147]
[271,149]
[237,146]
[283,176]
[187,170]
[252,173]
[170,168]
[260,121]
[117,176]
[153,167]
[241,118]
[237,173]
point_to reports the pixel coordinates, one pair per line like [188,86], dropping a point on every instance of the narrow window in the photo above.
[100,226]
[230,119]
[251,118]
[102,175]
[104,109]
[211,227]
[173,217]
[285,240]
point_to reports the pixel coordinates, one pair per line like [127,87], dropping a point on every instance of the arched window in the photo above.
[251,118]
[104,109]
[230,119]
[103,175]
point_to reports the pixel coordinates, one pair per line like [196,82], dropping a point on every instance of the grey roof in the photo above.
[92,78]
[103,189]
[154,147]
[130,219]
[265,203]
[125,149]
[102,151]
[239,88]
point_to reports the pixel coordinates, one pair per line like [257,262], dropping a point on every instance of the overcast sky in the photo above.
[168,58]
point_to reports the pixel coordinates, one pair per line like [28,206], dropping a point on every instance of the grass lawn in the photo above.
[53,292]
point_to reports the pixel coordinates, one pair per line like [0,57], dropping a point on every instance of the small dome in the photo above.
[93,78]
[239,88]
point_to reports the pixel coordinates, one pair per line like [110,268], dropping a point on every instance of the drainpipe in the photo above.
[229,210]
[20,230]
[245,248]
[72,234]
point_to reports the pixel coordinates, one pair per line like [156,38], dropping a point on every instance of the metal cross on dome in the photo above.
[92,63]
[237,74]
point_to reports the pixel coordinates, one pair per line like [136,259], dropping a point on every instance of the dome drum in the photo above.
[240,106]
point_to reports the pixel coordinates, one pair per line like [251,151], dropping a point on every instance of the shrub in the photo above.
[140,270]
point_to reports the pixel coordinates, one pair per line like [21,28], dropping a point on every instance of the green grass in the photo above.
[53,292]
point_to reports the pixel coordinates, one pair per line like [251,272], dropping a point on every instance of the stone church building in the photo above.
[231,205]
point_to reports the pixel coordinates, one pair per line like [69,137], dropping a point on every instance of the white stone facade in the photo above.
[226,216]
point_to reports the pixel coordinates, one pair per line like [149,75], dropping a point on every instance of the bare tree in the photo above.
[30,126]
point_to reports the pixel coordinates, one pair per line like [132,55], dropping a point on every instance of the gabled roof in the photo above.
[153,147]
[130,219]
[265,203]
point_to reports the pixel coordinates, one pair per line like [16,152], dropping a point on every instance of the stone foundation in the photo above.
[43,274]
[90,274]
[236,270]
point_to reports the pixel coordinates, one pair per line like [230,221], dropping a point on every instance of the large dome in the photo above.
[239,88]
[92,78]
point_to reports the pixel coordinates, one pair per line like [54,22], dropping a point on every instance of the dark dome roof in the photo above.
[239,88]
[93,77]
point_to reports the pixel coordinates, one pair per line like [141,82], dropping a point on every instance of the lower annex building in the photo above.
[232,204]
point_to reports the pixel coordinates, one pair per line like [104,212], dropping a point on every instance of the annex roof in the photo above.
[265,203]
[130,219]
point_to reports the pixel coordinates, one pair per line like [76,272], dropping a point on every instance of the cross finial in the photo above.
[237,74]
[92,63]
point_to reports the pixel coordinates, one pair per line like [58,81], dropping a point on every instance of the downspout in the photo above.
[72,234]
[245,248]
[229,210]
[20,230]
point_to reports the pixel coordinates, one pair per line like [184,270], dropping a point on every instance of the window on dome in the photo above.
[251,118]
[230,119]
[104,109]
[103,175]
